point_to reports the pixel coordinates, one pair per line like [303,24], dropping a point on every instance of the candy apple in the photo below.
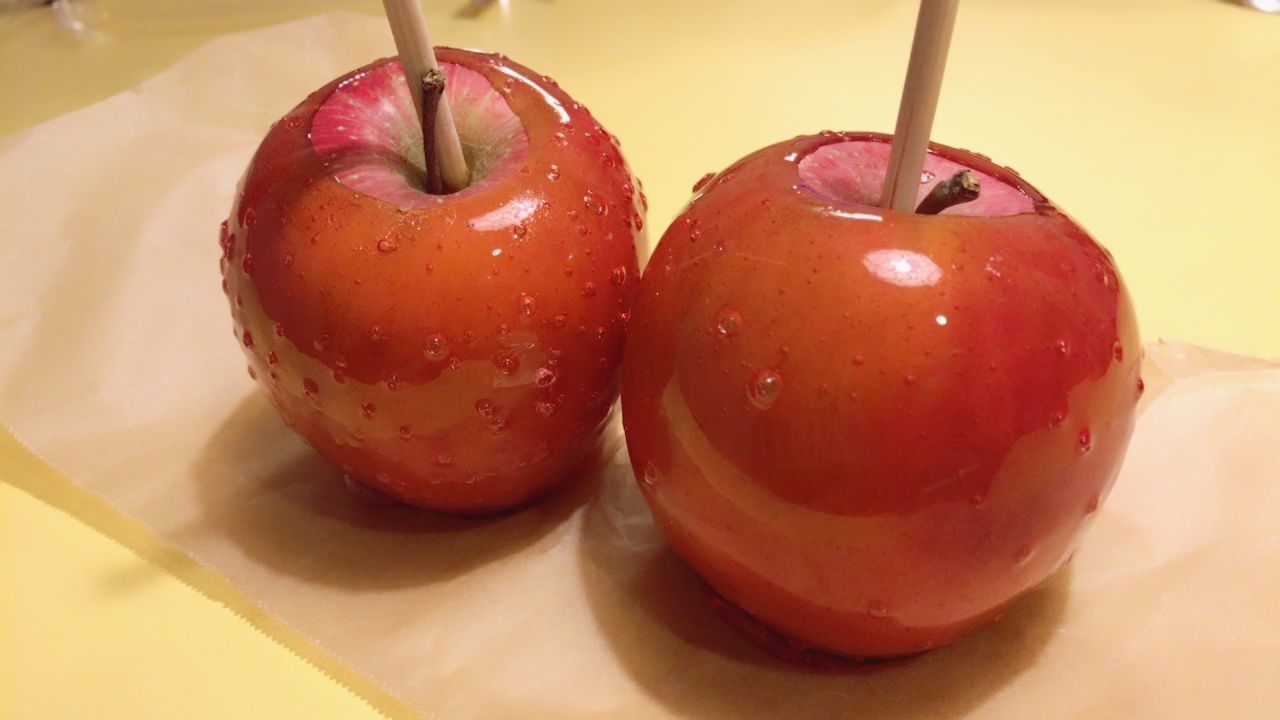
[870,431]
[457,351]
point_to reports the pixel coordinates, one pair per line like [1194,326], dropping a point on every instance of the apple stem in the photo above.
[958,189]
[432,91]
[919,103]
[417,56]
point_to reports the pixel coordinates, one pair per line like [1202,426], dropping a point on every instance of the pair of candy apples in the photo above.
[869,431]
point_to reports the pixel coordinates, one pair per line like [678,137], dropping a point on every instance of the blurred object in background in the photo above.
[76,16]
[1270,6]
[474,8]
[14,5]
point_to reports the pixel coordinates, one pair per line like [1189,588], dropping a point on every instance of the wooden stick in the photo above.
[919,102]
[409,29]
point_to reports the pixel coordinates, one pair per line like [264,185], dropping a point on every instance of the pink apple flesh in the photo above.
[853,172]
[371,137]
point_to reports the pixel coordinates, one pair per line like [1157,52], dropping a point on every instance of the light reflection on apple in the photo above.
[905,268]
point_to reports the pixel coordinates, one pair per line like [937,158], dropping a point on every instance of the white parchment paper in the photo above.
[118,368]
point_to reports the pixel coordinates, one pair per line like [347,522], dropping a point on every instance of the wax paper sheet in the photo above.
[118,368]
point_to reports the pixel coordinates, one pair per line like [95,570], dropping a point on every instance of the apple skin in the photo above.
[461,354]
[872,431]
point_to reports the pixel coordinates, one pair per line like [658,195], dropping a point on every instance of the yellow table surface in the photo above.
[1156,123]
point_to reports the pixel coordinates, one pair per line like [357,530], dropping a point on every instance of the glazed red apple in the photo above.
[871,431]
[459,352]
